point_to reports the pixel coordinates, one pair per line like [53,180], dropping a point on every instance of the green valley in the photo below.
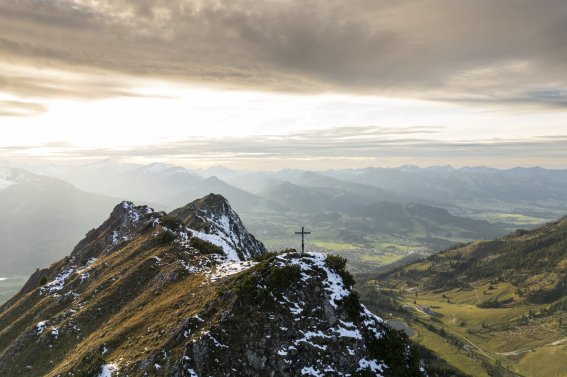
[499,306]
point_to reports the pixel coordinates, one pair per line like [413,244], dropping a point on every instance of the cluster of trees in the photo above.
[542,296]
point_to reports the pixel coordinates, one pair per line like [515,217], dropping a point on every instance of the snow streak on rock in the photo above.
[59,281]
[107,370]
[229,268]
[333,283]
[40,327]
[373,365]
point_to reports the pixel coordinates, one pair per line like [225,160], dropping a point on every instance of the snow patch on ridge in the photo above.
[229,268]
[372,322]
[219,234]
[310,371]
[220,225]
[192,373]
[58,283]
[40,327]
[376,367]
[220,241]
[335,288]
[107,370]
[333,283]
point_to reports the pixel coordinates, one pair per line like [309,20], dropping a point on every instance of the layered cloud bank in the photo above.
[511,50]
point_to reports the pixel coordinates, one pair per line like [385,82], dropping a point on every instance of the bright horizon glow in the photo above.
[160,112]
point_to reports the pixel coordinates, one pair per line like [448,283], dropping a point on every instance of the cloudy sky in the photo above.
[285,83]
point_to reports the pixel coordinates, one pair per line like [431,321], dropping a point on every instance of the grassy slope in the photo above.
[125,294]
[523,333]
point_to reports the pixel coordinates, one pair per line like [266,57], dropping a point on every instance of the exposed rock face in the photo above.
[139,296]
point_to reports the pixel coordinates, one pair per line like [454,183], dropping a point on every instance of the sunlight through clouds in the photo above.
[123,75]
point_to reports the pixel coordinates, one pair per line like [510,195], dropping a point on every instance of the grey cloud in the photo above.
[77,85]
[424,48]
[548,97]
[326,146]
[19,108]
[556,97]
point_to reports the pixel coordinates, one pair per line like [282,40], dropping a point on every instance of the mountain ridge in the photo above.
[139,296]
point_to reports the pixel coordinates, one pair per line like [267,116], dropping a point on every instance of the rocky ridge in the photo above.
[179,295]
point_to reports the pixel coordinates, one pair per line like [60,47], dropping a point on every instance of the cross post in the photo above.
[303,233]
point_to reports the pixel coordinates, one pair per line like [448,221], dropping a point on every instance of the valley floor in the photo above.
[9,286]
[508,341]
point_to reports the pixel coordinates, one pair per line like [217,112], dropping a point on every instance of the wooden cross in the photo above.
[303,233]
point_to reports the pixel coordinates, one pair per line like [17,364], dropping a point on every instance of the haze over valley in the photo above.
[375,216]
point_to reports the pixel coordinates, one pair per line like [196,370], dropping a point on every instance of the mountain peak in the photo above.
[162,168]
[209,203]
[212,200]
[124,223]
[211,218]
[214,179]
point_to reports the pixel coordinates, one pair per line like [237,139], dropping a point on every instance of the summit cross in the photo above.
[303,233]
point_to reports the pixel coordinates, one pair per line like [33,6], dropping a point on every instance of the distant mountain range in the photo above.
[313,192]
[41,218]
[155,183]
[421,207]
[241,199]
[531,191]
[518,188]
